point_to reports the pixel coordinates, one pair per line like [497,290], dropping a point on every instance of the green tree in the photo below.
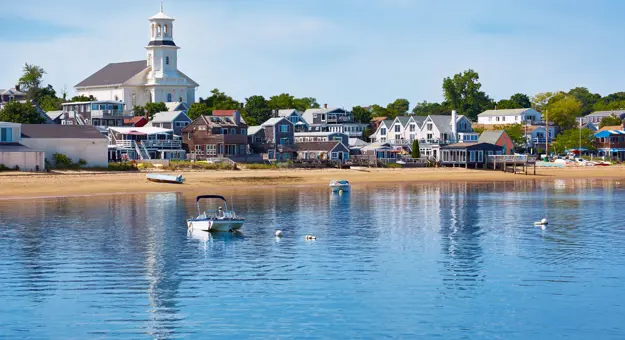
[463,94]
[399,107]
[416,153]
[563,109]
[425,109]
[30,81]
[516,132]
[16,112]
[198,109]
[570,139]
[587,99]
[154,108]
[507,104]
[610,120]
[522,100]
[220,101]
[138,110]
[379,111]
[42,93]
[281,101]
[51,103]
[258,110]
[540,100]
[361,115]
[83,98]
[303,104]
[367,133]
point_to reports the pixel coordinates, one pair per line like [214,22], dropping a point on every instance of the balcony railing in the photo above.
[114,113]
[540,140]
[150,144]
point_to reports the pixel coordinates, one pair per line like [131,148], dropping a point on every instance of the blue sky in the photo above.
[342,52]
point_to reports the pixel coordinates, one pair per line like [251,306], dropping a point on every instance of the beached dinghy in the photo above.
[220,220]
[340,185]
[162,178]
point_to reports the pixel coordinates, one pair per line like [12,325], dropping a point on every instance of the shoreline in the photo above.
[19,185]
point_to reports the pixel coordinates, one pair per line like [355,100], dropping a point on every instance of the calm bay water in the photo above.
[452,261]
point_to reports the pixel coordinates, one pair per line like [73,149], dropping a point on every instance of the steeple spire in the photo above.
[161,7]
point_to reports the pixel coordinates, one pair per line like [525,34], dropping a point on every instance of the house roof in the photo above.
[318,146]
[357,142]
[176,106]
[403,120]
[378,119]
[166,117]
[12,92]
[133,120]
[612,127]
[443,122]
[506,112]
[54,114]
[224,113]
[274,121]
[308,115]
[617,113]
[316,134]
[218,121]
[251,130]
[608,133]
[15,147]
[114,73]
[287,112]
[376,146]
[491,136]
[60,131]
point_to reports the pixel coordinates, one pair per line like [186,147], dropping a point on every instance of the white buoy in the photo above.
[542,223]
[279,233]
[311,237]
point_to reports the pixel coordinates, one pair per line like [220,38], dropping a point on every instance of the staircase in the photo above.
[145,151]
[141,151]
[79,119]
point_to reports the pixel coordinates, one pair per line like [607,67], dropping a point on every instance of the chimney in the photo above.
[237,117]
[17,87]
[454,126]
[325,106]
[147,115]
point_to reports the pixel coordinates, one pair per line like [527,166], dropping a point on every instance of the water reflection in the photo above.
[126,266]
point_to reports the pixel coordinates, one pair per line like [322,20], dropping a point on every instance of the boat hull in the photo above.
[160,178]
[337,188]
[215,225]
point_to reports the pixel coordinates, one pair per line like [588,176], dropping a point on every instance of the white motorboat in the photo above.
[220,220]
[340,186]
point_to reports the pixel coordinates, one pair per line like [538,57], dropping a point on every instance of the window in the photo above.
[158,30]
[284,141]
[397,128]
[429,126]
[167,62]
[243,131]
[335,155]
[497,119]
[503,119]
[430,136]
[233,131]
[165,31]
[480,156]
[224,132]
[383,131]
[471,156]
[211,150]
[169,97]
[189,135]
[412,127]
[198,148]
[6,134]
[284,128]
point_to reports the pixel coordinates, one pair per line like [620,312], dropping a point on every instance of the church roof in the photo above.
[161,15]
[114,73]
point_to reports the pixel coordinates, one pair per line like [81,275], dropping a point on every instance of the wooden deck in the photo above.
[511,162]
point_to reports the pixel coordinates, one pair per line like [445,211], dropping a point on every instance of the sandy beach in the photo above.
[27,185]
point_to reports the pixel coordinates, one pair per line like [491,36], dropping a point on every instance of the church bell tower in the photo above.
[162,51]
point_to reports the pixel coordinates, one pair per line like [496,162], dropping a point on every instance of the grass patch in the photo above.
[260,166]
[263,179]
[392,165]
[188,165]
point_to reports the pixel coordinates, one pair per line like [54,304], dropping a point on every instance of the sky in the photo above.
[342,52]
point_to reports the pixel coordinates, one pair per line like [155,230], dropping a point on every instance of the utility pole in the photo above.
[547,134]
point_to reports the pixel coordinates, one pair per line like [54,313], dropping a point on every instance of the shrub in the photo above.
[392,165]
[62,161]
[125,166]
[82,162]
[180,165]
[261,166]
[4,167]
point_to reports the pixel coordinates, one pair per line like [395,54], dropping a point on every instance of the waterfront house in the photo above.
[539,135]
[467,155]
[54,117]
[10,95]
[403,129]
[144,143]
[509,116]
[15,155]
[302,137]
[322,151]
[175,120]
[376,121]
[597,116]
[500,138]
[97,113]
[611,144]
[296,118]
[224,134]
[383,152]
[382,133]
[137,121]
[74,141]
[438,130]
[273,139]
[333,120]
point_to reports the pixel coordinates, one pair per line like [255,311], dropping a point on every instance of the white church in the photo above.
[156,79]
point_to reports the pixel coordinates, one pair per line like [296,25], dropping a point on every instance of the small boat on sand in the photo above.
[162,178]
[220,220]
[340,186]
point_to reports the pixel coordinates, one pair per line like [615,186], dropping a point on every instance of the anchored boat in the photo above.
[162,178]
[221,220]
[340,185]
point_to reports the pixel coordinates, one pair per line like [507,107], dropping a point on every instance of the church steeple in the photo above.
[162,51]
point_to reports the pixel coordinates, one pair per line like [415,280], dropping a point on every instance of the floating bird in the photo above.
[279,233]
[311,237]
[542,223]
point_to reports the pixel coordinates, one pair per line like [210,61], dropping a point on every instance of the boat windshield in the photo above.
[219,214]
